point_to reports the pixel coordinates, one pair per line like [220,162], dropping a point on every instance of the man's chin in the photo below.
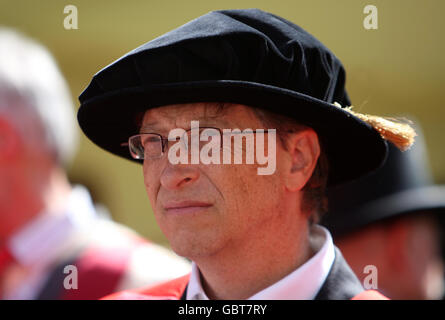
[194,249]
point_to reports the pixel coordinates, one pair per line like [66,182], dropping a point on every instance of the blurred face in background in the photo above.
[25,163]
[406,252]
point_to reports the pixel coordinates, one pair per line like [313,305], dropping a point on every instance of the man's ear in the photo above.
[304,150]
[9,140]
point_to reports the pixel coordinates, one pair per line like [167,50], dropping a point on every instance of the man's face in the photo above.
[203,208]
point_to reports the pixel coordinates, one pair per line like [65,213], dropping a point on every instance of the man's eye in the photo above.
[150,140]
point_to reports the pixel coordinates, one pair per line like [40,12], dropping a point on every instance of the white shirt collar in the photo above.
[302,284]
[42,239]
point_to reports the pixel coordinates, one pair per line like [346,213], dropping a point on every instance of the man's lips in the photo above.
[185,207]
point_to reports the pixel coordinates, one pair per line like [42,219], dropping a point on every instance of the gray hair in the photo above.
[32,87]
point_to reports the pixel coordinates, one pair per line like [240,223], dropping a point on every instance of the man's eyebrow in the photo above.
[149,127]
[204,121]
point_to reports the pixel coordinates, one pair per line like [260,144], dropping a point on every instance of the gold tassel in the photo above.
[399,133]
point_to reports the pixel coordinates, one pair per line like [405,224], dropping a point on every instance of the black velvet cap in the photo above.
[248,57]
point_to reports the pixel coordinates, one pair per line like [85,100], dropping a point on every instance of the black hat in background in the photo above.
[248,57]
[403,185]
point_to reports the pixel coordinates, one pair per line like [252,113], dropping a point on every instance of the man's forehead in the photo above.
[179,115]
[171,112]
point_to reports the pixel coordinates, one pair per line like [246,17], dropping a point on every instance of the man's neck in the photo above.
[58,191]
[240,271]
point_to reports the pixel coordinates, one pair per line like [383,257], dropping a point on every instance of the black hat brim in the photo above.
[421,199]
[352,146]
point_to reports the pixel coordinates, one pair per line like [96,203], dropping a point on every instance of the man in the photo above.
[53,243]
[390,221]
[249,235]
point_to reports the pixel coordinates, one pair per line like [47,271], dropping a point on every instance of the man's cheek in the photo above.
[151,176]
[152,193]
[235,179]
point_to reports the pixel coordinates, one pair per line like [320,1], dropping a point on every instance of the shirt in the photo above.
[301,284]
[43,240]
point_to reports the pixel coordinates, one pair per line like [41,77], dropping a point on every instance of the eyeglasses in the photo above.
[153,145]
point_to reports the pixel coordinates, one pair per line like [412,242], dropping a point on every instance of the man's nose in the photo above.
[177,176]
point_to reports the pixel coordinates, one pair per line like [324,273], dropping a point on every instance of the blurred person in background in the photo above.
[393,220]
[45,223]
